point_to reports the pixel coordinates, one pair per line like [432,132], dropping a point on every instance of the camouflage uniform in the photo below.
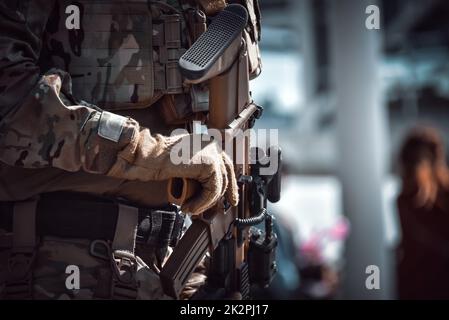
[48,74]
[52,79]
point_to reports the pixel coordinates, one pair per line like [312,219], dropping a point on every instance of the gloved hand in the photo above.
[149,157]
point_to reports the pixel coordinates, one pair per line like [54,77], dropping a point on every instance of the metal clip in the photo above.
[124,284]
[100,249]
[19,286]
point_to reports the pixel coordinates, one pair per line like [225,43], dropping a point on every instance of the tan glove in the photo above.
[148,157]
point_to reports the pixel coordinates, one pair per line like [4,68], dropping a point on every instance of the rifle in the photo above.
[241,255]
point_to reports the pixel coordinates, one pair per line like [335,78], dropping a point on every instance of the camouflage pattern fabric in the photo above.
[211,7]
[109,57]
[49,273]
[107,62]
[51,81]
[63,131]
[43,125]
[46,132]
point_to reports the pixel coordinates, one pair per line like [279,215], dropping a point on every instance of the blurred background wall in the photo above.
[342,97]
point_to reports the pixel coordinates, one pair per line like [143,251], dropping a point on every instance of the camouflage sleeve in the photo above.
[19,50]
[45,131]
[39,126]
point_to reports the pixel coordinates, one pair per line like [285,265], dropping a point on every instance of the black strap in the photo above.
[177,230]
[19,282]
[75,215]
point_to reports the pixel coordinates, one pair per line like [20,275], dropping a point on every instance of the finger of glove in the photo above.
[225,178]
[232,191]
[210,193]
[205,200]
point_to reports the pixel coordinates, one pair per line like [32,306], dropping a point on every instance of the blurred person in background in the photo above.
[423,206]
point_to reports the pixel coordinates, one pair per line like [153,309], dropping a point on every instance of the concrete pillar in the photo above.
[361,143]
[305,27]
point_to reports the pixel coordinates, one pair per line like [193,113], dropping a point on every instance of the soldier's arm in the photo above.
[42,125]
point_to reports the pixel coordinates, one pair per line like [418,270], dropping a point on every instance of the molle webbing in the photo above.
[167,41]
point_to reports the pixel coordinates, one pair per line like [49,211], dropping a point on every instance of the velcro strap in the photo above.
[110,126]
[19,284]
[161,228]
[126,228]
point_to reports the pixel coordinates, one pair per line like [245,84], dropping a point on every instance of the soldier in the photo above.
[87,106]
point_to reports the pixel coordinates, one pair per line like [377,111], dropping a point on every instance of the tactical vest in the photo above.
[124,54]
